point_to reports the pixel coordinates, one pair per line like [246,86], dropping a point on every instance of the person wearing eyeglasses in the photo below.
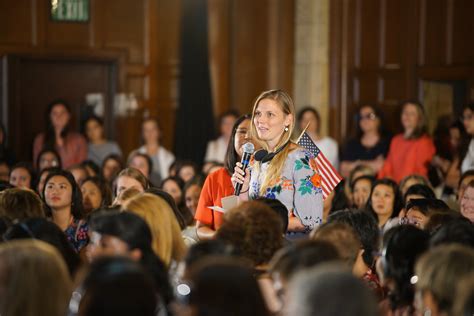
[371,144]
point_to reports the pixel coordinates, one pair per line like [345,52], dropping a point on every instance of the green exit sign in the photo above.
[70,10]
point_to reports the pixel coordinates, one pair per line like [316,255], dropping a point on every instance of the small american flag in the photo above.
[329,176]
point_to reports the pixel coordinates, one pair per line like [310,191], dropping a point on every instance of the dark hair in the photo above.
[104,189]
[180,183]
[77,209]
[18,204]
[254,229]
[171,202]
[366,228]
[419,189]
[135,232]
[212,277]
[50,135]
[428,206]
[403,245]
[340,200]
[302,255]
[231,156]
[371,179]
[208,248]
[118,286]
[312,110]
[29,168]
[437,220]
[47,231]
[421,129]
[92,117]
[222,116]
[115,157]
[144,156]
[48,150]
[457,231]
[91,164]
[397,200]
[187,163]
[378,113]
[279,208]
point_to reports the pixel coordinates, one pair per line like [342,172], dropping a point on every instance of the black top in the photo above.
[354,150]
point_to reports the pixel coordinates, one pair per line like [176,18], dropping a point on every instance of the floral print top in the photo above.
[77,234]
[298,187]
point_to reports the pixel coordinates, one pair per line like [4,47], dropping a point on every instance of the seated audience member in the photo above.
[93,169]
[35,280]
[344,239]
[71,146]
[329,290]
[167,241]
[174,186]
[418,211]
[143,163]
[438,272]
[183,218]
[254,230]
[187,170]
[220,286]
[124,196]
[337,200]
[402,246]
[192,191]
[160,156]
[467,157]
[44,230]
[211,166]
[438,219]
[95,194]
[130,178]
[126,234]
[98,146]
[418,191]
[410,152]
[367,231]
[361,188]
[118,286]
[467,202]
[111,167]
[4,171]
[357,172]
[384,203]
[48,158]
[456,231]
[411,180]
[370,146]
[42,178]
[17,204]
[63,200]
[278,208]
[464,298]
[218,184]
[22,176]
[216,149]
[79,172]
[309,115]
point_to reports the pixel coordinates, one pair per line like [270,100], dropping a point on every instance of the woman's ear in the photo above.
[289,119]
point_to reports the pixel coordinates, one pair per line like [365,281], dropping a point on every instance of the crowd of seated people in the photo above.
[84,231]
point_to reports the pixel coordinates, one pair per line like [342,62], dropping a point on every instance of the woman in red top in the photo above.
[410,152]
[71,146]
[218,183]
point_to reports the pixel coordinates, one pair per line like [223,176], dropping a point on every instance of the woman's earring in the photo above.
[286,128]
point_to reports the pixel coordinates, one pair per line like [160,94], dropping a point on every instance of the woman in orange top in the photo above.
[218,183]
[410,152]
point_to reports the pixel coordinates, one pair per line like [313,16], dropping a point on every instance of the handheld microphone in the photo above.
[248,151]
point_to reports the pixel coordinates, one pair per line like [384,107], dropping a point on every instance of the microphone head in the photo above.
[248,148]
[259,155]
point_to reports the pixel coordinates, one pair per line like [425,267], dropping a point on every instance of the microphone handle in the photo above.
[245,162]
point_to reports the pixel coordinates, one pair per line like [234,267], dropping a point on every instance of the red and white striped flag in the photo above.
[329,175]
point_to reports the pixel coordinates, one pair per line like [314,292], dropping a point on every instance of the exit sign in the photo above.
[70,10]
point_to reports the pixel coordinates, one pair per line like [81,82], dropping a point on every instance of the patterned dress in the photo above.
[298,187]
[77,234]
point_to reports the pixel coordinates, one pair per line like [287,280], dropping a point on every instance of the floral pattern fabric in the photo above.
[77,234]
[298,187]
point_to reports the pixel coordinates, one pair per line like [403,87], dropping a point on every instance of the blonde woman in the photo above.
[35,279]
[286,171]
[167,241]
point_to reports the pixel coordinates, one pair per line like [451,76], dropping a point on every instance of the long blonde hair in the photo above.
[36,282]
[167,243]
[285,103]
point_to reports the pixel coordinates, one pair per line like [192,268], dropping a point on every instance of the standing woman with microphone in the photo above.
[282,170]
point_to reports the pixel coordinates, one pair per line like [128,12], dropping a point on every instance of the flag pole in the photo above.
[298,140]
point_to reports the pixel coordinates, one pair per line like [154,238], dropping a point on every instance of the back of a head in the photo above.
[302,255]
[117,286]
[437,220]
[47,231]
[342,237]
[464,302]
[440,270]
[20,204]
[279,208]
[255,231]
[208,248]
[35,279]
[225,286]
[329,290]
[419,189]
[456,231]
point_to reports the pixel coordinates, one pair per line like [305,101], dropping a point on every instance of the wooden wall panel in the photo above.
[16,22]
[433,35]
[462,22]
[391,41]
[367,33]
